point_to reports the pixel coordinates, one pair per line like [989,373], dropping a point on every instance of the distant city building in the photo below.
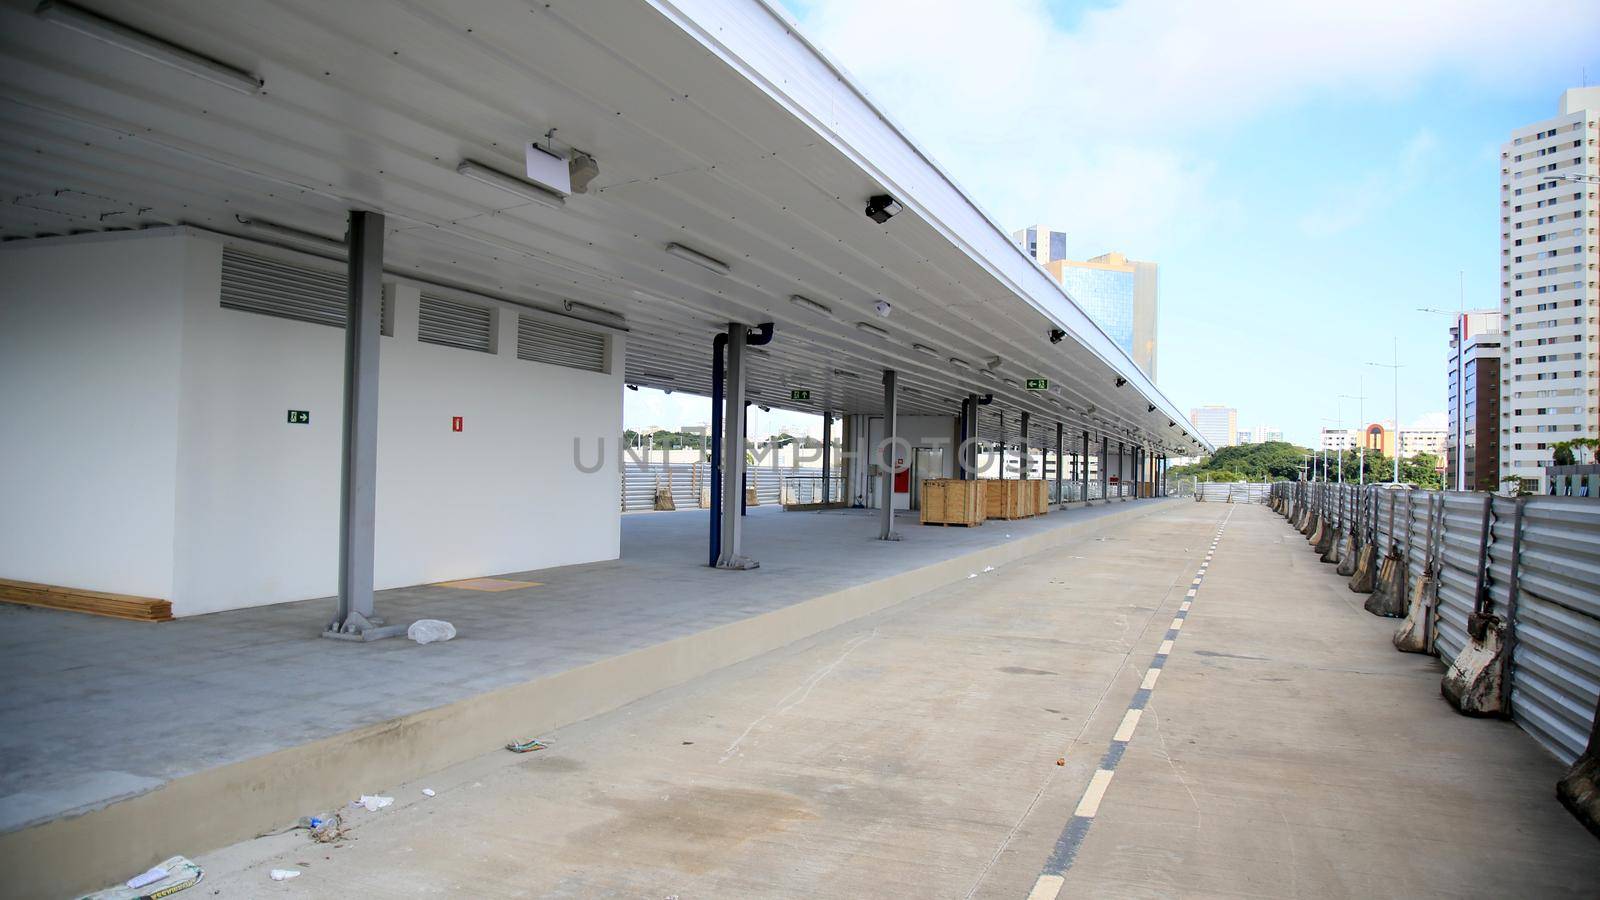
[1472,444]
[1416,441]
[1044,244]
[1549,380]
[1246,436]
[1339,439]
[1217,424]
[1120,295]
[1267,434]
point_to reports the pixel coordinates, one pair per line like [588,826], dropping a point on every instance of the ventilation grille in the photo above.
[558,345]
[452,323]
[271,287]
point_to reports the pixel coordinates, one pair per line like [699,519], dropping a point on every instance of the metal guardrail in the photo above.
[1232,492]
[1546,591]
[687,482]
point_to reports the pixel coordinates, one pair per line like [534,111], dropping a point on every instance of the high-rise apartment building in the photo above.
[1217,424]
[1268,433]
[1119,294]
[1549,387]
[1044,244]
[1472,443]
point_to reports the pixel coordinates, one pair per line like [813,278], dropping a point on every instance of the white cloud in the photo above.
[1346,206]
[1101,130]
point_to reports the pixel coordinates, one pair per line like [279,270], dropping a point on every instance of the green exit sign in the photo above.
[299,417]
[799,395]
[1038,384]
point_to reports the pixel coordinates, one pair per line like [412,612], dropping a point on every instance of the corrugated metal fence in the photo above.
[1547,594]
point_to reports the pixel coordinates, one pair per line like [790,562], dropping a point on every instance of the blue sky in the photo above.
[1306,175]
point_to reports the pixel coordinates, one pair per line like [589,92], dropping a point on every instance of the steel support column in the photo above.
[1061,463]
[827,454]
[886,531]
[732,485]
[1105,468]
[358,480]
[1083,470]
[1026,467]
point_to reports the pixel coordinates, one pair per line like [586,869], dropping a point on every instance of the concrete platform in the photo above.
[1286,751]
[108,724]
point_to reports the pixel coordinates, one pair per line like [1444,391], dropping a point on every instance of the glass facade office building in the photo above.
[1107,296]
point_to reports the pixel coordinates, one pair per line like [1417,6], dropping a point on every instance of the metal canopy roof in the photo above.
[715,126]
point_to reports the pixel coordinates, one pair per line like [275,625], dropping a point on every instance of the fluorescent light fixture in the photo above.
[960,363]
[148,46]
[699,259]
[986,374]
[294,234]
[924,348]
[656,376]
[1011,382]
[808,303]
[871,329]
[510,184]
[845,374]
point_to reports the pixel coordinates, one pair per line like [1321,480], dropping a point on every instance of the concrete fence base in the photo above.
[1349,549]
[1412,635]
[1366,563]
[1327,544]
[1388,589]
[1472,682]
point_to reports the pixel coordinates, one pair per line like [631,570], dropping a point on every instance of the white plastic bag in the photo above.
[426,631]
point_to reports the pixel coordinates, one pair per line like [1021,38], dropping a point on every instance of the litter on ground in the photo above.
[527,746]
[176,874]
[285,874]
[426,631]
[372,803]
[427,792]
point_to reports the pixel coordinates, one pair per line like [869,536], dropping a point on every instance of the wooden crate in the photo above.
[1006,499]
[950,501]
[1041,496]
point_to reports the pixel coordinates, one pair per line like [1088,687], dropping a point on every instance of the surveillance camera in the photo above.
[1121,381]
[1150,408]
[882,208]
[666,390]
[1089,410]
[994,363]
[764,408]
[633,387]
[582,169]
[882,308]
[1056,335]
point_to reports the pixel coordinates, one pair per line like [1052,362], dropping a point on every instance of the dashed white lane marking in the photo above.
[1184,606]
[1166,648]
[1090,804]
[1047,887]
[1150,679]
[1177,624]
[1129,723]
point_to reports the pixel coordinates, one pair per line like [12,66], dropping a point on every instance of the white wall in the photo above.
[89,349]
[214,492]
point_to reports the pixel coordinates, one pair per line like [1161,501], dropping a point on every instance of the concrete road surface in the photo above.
[1276,747]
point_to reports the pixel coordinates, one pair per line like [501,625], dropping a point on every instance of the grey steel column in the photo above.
[1083,470]
[1061,463]
[1105,467]
[1026,466]
[886,532]
[827,453]
[358,481]
[733,455]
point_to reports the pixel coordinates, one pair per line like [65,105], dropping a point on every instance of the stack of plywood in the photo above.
[120,606]
[951,501]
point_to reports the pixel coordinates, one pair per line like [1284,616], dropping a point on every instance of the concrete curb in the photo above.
[234,802]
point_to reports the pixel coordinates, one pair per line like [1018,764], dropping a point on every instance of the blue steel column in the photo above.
[715,481]
[358,489]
